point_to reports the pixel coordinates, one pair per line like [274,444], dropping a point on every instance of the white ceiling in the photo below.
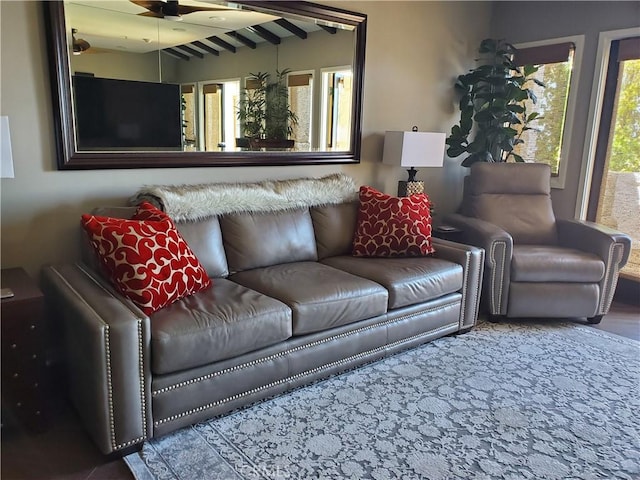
[117,25]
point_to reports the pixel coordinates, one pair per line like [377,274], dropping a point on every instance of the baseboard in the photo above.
[627,291]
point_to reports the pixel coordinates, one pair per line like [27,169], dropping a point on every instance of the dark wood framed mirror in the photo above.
[144,84]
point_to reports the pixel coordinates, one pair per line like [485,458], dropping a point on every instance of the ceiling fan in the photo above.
[170,9]
[79,45]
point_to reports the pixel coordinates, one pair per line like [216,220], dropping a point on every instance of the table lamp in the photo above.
[413,149]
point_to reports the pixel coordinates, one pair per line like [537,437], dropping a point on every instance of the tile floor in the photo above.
[65,452]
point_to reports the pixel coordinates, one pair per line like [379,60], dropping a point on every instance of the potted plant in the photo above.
[493,100]
[264,112]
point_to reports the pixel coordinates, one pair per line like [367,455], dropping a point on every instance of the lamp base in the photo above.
[409,188]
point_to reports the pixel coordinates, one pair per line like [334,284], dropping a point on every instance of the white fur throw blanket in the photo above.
[193,202]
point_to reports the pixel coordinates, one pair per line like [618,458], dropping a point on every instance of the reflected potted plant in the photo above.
[264,112]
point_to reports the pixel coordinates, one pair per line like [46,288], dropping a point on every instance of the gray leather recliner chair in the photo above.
[536,265]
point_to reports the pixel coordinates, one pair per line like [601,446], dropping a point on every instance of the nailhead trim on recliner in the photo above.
[503,244]
[610,279]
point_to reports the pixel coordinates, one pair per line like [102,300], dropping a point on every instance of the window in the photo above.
[213,108]
[614,199]
[548,139]
[301,101]
[337,92]
[219,122]
[188,110]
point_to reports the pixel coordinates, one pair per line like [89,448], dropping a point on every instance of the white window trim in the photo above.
[578,40]
[595,108]
[323,100]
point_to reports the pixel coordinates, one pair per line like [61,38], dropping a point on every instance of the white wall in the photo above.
[414,52]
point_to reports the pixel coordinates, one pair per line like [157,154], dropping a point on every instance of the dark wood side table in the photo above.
[447,232]
[23,324]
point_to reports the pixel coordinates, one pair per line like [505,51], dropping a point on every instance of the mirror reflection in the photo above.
[196,76]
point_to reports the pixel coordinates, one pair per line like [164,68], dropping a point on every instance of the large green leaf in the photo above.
[455,151]
[532,116]
[484,116]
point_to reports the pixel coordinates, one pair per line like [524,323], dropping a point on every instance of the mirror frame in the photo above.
[69,158]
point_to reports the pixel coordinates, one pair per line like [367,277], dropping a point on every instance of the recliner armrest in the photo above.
[594,238]
[107,344]
[612,246]
[498,246]
[472,261]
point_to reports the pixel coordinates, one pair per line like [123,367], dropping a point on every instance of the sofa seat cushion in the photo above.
[408,280]
[319,296]
[215,324]
[543,263]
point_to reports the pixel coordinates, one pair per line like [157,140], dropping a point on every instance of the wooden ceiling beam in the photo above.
[331,30]
[176,54]
[287,25]
[266,34]
[221,43]
[206,48]
[191,51]
[242,39]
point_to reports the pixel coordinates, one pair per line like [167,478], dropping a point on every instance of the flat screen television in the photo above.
[124,115]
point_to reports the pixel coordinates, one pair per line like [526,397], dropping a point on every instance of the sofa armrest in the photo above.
[472,261]
[106,346]
[498,246]
[612,246]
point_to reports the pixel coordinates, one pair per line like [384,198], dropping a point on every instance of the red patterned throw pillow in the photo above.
[146,257]
[392,226]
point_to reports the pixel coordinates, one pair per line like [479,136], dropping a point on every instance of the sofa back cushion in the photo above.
[516,197]
[334,226]
[202,236]
[254,240]
[205,239]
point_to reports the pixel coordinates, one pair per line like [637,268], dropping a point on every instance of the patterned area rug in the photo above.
[513,401]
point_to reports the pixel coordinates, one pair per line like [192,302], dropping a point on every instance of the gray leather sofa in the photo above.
[288,305]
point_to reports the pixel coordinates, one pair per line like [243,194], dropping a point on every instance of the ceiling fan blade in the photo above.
[170,8]
[151,14]
[152,5]
[185,9]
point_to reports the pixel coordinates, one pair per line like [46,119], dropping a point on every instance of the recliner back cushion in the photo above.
[254,240]
[516,197]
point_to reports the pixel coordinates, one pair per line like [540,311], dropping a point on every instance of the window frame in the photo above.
[323,133]
[312,106]
[595,108]
[559,181]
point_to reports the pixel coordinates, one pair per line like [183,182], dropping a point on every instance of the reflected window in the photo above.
[213,108]
[188,112]
[301,104]
[337,92]
[220,126]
